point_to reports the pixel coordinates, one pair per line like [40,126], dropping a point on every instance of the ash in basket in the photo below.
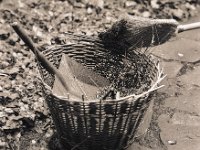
[111,79]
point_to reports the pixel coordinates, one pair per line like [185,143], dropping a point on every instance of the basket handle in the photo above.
[40,57]
[191,26]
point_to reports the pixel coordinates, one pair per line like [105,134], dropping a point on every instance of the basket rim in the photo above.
[132,97]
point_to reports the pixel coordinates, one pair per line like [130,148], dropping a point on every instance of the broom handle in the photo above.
[187,27]
[40,57]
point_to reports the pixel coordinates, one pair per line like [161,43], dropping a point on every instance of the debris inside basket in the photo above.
[128,74]
[111,75]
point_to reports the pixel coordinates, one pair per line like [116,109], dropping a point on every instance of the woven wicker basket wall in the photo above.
[98,124]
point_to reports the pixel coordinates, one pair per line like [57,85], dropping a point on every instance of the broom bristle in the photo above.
[138,32]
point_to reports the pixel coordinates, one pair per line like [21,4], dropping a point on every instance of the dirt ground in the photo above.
[25,122]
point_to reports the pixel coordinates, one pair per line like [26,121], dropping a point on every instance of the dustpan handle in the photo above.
[40,57]
[182,28]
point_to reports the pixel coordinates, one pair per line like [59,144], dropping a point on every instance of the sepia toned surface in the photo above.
[25,121]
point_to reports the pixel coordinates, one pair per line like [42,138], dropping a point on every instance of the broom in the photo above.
[136,33]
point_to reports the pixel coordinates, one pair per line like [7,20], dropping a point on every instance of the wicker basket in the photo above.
[108,124]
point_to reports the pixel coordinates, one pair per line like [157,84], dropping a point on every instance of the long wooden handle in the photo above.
[182,28]
[40,57]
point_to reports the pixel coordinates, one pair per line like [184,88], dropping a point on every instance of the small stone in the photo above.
[41,100]
[47,135]
[2,21]
[171,142]
[21,4]
[33,142]
[35,28]
[180,55]
[89,10]
[1,89]
[154,4]
[51,13]
[178,13]
[39,33]
[5,64]
[2,144]
[21,42]
[13,82]
[30,86]
[192,7]
[14,54]
[79,5]
[14,37]
[23,109]
[8,111]
[2,114]
[20,55]
[23,67]
[100,4]
[130,3]
[146,14]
